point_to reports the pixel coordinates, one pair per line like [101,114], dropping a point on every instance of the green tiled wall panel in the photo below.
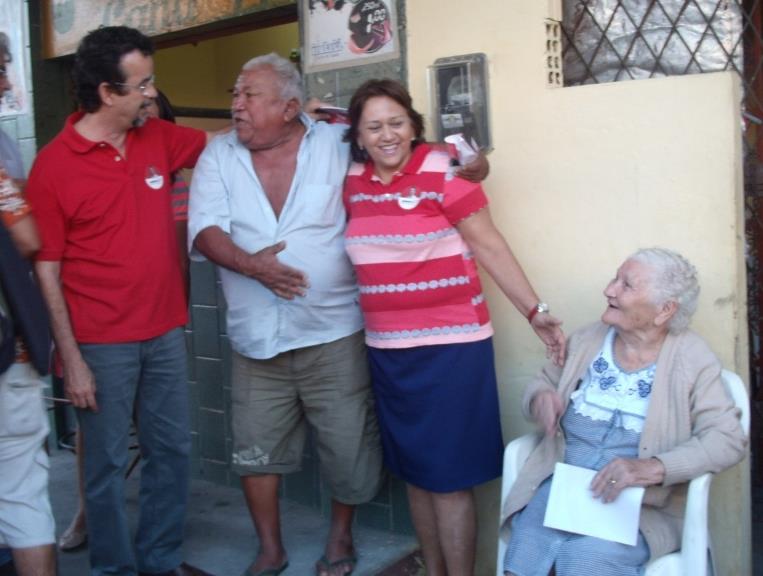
[215,471]
[195,455]
[212,435]
[206,338]
[204,285]
[209,376]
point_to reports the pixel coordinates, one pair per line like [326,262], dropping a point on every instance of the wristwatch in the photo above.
[540,308]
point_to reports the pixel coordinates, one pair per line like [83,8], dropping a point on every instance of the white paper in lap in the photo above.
[571,507]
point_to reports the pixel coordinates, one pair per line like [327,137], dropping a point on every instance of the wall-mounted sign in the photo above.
[67,21]
[343,33]
[16,100]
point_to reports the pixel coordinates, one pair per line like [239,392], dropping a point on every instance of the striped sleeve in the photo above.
[179,198]
[461,199]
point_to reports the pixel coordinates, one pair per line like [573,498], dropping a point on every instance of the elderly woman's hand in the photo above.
[546,409]
[549,329]
[622,473]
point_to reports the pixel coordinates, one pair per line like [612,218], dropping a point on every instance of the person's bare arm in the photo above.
[263,266]
[79,383]
[24,235]
[494,255]
[546,408]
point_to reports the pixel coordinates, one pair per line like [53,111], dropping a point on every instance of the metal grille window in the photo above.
[614,40]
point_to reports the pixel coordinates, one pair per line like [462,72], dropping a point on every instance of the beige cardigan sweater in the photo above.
[692,426]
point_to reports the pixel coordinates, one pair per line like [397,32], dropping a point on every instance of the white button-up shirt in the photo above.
[226,192]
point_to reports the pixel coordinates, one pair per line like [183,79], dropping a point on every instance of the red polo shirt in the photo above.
[108,220]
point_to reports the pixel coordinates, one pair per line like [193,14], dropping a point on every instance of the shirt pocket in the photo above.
[320,205]
[21,409]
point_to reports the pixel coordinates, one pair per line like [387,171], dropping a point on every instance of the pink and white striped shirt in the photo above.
[418,280]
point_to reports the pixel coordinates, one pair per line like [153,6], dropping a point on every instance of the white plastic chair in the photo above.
[692,558]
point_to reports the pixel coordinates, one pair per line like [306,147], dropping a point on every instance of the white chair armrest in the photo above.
[736,389]
[514,457]
[694,543]
[692,558]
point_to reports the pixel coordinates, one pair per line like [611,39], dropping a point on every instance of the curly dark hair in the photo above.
[371,89]
[98,60]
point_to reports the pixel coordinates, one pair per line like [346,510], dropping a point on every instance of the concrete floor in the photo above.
[220,537]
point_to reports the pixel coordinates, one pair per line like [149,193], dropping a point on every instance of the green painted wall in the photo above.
[216,64]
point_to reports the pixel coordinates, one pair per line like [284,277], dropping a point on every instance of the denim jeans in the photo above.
[149,377]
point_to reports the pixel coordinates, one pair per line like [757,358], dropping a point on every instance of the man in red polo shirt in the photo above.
[111,277]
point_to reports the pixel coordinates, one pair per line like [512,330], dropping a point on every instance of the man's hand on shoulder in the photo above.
[477,170]
[264,266]
[312,106]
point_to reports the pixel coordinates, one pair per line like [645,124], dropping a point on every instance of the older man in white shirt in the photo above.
[266,206]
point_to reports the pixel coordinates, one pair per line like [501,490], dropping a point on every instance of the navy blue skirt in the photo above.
[438,414]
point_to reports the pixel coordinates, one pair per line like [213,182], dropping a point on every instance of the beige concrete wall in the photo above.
[581,177]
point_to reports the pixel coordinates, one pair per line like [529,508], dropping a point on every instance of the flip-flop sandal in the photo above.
[324,564]
[267,571]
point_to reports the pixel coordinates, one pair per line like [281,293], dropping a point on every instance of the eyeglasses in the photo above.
[142,87]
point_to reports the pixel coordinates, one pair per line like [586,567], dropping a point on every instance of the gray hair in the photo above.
[291,81]
[674,280]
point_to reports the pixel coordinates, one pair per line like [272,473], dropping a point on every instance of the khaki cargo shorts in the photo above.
[326,387]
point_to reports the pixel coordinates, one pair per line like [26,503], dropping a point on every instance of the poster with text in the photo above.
[16,100]
[343,33]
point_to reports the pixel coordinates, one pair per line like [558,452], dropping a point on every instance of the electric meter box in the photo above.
[459,90]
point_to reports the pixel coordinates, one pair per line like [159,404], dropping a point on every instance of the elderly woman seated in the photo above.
[640,400]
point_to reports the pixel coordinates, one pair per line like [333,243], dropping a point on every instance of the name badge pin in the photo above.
[409,202]
[154,178]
